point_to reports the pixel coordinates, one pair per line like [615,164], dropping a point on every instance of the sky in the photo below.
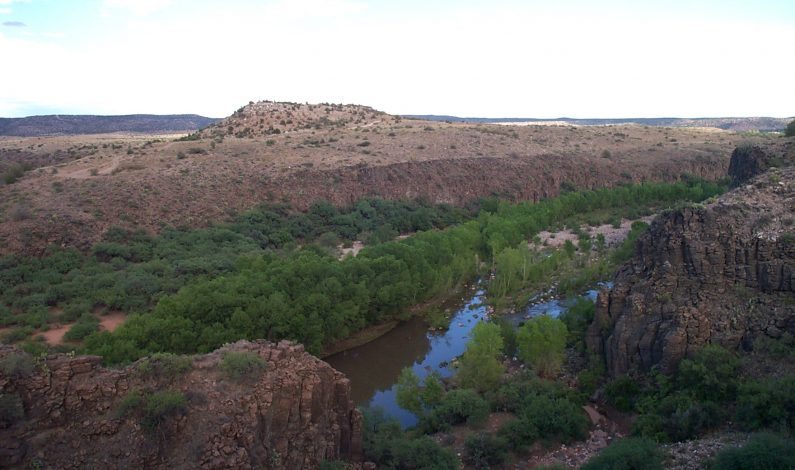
[498,58]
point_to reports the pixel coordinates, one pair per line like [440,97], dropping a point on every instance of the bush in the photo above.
[622,393]
[333,465]
[385,444]
[767,404]
[160,405]
[86,325]
[763,452]
[17,365]
[458,406]
[17,334]
[236,365]
[628,454]
[677,418]
[542,343]
[164,365]
[710,375]
[519,434]
[555,418]
[484,451]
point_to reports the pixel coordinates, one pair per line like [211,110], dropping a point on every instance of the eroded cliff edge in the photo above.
[62,411]
[717,273]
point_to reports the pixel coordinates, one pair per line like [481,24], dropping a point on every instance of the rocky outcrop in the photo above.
[720,273]
[750,160]
[62,411]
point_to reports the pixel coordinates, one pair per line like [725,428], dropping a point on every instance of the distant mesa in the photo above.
[266,118]
[34,126]
[738,124]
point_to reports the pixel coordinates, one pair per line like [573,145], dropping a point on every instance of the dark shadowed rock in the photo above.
[297,413]
[750,160]
[720,273]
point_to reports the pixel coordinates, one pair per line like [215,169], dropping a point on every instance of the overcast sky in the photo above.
[493,58]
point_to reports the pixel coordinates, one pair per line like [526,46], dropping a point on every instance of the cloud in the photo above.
[14,24]
[137,7]
[5,11]
[9,2]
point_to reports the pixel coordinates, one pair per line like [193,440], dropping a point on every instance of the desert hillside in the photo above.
[77,187]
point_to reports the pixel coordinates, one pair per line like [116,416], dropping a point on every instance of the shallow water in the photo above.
[374,367]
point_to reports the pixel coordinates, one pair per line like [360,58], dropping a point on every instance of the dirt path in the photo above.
[111,321]
[102,169]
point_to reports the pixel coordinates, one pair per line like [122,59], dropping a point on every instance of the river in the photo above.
[373,368]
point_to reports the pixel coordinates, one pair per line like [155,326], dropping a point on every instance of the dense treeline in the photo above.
[131,271]
[313,298]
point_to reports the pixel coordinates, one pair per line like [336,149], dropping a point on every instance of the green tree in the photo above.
[542,341]
[433,392]
[480,367]
[790,131]
[408,391]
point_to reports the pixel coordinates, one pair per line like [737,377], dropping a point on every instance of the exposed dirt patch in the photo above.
[111,321]
[55,334]
[352,250]
[613,235]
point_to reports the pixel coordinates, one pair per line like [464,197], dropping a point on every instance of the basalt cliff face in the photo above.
[69,412]
[720,273]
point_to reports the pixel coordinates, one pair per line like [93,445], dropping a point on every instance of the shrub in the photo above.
[542,343]
[767,404]
[164,365]
[710,375]
[17,365]
[86,325]
[622,393]
[555,418]
[17,334]
[484,451]
[129,404]
[237,364]
[458,406]
[519,434]
[763,452]
[159,406]
[677,418]
[628,454]
[332,465]
[407,395]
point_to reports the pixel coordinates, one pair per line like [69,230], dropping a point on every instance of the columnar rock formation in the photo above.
[720,273]
[66,412]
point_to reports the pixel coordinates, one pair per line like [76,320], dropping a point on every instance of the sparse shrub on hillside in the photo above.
[19,213]
[628,454]
[164,365]
[242,364]
[790,130]
[151,409]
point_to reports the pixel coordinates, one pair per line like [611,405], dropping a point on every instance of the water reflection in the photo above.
[374,367]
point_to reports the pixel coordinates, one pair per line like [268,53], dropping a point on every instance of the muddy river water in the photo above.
[373,368]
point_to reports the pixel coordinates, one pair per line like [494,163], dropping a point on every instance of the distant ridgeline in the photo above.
[762,124]
[33,126]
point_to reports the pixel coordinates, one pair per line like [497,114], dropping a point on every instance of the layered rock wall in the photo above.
[720,273]
[66,412]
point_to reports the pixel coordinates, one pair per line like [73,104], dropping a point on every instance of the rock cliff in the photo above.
[748,160]
[720,273]
[63,411]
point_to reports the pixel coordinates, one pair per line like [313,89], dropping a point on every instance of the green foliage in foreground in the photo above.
[628,454]
[763,452]
[790,130]
[387,446]
[544,410]
[152,409]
